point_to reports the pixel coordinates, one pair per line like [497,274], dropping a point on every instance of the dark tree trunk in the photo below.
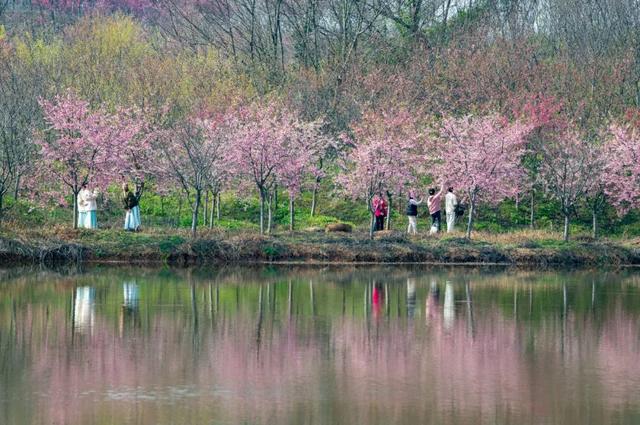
[262,196]
[75,209]
[16,190]
[472,210]
[532,212]
[314,197]
[206,207]
[213,201]
[389,211]
[270,214]
[194,216]
[218,198]
[291,214]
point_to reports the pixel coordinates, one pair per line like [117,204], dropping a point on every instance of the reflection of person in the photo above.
[377,298]
[87,208]
[84,309]
[411,297]
[431,306]
[449,306]
[129,313]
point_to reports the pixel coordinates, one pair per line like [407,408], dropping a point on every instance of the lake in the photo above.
[314,345]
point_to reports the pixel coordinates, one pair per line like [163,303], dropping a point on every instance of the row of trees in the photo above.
[376,97]
[265,145]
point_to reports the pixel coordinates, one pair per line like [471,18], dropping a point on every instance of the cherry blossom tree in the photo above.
[262,146]
[191,157]
[77,147]
[307,147]
[132,134]
[568,172]
[622,152]
[546,116]
[384,157]
[483,156]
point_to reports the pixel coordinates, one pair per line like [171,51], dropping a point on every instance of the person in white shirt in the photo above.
[450,203]
[87,208]
[412,215]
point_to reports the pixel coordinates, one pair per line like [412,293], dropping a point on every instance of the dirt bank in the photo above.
[248,248]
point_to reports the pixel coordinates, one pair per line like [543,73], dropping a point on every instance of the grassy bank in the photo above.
[61,245]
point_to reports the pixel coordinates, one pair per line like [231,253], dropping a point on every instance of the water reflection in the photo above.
[449,310]
[130,311]
[84,309]
[280,346]
[411,298]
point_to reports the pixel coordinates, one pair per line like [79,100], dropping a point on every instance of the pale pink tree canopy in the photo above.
[385,155]
[301,160]
[260,144]
[622,152]
[570,169]
[77,146]
[482,156]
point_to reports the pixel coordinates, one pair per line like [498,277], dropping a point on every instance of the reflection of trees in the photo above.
[318,356]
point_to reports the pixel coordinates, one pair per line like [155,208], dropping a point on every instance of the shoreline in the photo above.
[308,249]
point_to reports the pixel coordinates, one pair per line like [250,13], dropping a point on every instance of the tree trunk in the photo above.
[213,201]
[389,211]
[270,213]
[2,205]
[291,214]
[262,196]
[16,190]
[372,225]
[194,216]
[206,207]
[218,198]
[314,197]
[275,198]
[75,209]
[180,200]
[594,217]
[531,222]
[472,210]
[565,234]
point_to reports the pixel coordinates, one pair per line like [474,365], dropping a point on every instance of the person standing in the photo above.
[132,216]
[412,215]
[450,204]
[433,202]
[379,211]
[87,208]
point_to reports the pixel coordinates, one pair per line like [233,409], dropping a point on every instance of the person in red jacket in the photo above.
[380,210]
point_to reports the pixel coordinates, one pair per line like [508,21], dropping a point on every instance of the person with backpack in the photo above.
[433,202]
[412,215]
[131,205]
[450,207]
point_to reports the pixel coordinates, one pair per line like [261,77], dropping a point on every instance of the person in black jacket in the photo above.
[412,215]
[130,202]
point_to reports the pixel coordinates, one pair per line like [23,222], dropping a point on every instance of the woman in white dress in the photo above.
[87,208]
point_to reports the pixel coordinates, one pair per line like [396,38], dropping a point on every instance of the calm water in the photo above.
[319,346]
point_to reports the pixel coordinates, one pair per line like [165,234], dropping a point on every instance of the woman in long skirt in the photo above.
[87,208]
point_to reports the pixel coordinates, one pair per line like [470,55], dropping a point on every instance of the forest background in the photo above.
[333,62]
